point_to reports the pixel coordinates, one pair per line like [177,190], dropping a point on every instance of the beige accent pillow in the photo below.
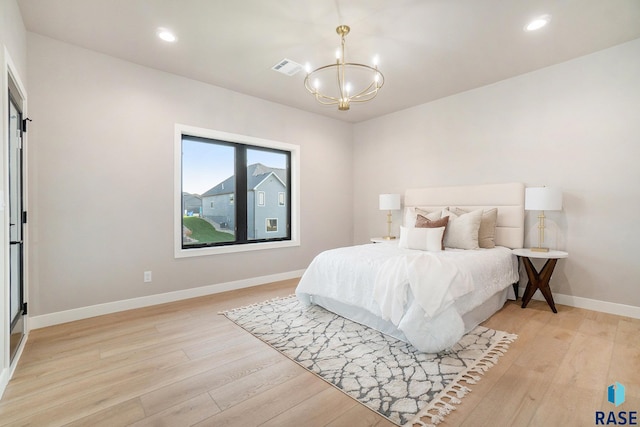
[424,222]
[487,231]
[424,239]
[462,231]
[411,213]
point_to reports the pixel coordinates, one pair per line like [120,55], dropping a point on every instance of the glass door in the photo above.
[17,307]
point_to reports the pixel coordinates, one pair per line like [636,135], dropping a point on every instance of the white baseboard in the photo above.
[51,319]
[590,304]
[6,374]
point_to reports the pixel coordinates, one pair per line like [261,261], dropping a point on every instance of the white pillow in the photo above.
[487,230]
[411,213]
[424,239]
[462,231]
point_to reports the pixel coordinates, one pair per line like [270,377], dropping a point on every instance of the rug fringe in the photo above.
[438,408]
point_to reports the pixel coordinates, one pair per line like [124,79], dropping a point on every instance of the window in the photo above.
[233,175]
[272,225]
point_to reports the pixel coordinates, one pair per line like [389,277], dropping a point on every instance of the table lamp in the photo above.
[389,202]
[542,199]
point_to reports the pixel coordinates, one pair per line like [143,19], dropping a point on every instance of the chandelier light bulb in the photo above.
[307,67]
[337,53]
[376,60]
[316,84]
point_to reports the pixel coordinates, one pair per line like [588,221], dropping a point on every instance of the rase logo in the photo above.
[615,396]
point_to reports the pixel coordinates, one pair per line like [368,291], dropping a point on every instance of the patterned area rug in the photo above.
[387,375]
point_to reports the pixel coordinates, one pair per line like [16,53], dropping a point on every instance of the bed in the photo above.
[427,296]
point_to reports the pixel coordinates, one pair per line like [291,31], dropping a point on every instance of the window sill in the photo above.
[188,253]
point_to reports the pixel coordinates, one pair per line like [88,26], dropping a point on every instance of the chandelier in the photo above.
[355,82]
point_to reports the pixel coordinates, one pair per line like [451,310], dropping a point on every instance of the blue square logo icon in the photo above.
[615,394]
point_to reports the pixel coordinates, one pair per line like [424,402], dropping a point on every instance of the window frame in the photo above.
[260,199]
[294,150]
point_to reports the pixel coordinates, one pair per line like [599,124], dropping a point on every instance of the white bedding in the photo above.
[422,294]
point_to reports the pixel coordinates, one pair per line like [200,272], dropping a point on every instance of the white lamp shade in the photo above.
[389,202]
[542,199]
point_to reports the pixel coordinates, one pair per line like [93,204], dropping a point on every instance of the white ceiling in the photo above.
[428,49]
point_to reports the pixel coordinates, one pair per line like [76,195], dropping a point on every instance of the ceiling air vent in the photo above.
[287,66]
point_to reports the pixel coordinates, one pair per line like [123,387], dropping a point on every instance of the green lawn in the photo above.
[204,232]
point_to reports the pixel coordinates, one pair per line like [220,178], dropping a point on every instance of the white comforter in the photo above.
[423,294]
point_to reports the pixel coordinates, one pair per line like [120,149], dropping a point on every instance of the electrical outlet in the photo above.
[147,276]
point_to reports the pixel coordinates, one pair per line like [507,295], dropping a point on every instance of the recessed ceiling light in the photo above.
[538,23]
[166,35]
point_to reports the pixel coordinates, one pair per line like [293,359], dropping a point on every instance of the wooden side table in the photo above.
[539,280]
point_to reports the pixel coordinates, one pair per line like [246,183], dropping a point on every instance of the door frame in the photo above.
[10,79]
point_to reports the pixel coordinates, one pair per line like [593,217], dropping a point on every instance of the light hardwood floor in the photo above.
[182,364]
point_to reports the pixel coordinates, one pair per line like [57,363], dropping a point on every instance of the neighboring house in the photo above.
[191,204]
[218,204]
[266,202]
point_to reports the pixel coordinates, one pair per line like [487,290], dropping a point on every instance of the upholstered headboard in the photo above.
[508,198]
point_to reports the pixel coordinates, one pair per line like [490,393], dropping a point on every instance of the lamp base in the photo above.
[540,249]
[389,237]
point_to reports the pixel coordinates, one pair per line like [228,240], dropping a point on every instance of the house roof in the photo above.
[256,174]
[189,196]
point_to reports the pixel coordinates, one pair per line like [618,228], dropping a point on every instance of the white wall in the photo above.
[575,125]
[13,35]
[101,153]
[101,161]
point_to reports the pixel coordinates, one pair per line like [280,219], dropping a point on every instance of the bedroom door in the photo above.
[17,217]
